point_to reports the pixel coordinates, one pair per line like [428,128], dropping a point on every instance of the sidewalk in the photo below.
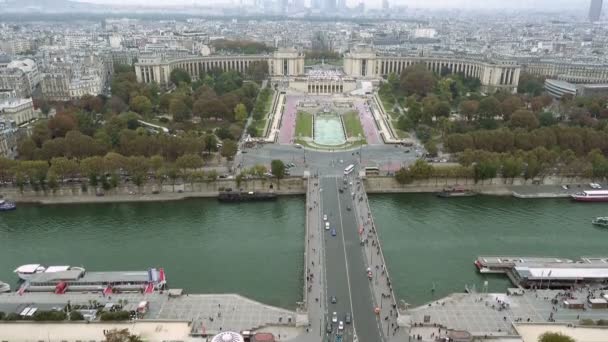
[382,290]
[313,280]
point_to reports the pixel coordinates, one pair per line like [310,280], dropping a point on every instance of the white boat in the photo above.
[4,287]
[24,272]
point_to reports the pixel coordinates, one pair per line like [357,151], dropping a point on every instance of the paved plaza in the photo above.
[209,313]
[372,136]
[483,314]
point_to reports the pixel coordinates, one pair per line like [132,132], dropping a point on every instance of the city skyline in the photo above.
[430,4]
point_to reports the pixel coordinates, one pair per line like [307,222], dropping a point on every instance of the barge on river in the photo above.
[539,272]
[591,196]
[246,196]
[457,191]
[79,280]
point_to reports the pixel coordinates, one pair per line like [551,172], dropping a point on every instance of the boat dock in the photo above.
[79,280]
[502,264]
[546,272]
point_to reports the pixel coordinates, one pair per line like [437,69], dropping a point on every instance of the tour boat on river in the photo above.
[60,279]
[591,196]
[25,272]
[4,287]
[7,206]
[600,221]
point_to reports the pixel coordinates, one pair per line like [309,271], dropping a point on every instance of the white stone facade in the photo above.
[19,111]
[364,62]
[17,80]
[156,69]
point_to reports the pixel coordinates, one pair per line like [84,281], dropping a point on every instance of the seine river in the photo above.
[256,249]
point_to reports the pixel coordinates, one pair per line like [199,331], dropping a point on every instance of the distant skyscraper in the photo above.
[595,10]
[341,4]
[329,5]
[385,5]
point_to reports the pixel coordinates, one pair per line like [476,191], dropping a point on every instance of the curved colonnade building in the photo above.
[574,72]
[362,62]
[149,69]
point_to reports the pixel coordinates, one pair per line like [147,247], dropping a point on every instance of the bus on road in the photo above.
[349,169]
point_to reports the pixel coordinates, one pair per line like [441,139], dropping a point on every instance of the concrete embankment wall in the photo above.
[289,186]
[495,186]
[127,193]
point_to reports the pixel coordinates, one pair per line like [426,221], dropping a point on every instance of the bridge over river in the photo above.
[345,267]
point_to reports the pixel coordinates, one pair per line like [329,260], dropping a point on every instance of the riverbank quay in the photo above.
[75,193]
[207,314]
[152,192]
[495,316]
[549,187]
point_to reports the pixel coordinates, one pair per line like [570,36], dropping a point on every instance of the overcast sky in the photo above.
[465,4]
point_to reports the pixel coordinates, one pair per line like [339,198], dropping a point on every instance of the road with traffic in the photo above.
[345,267]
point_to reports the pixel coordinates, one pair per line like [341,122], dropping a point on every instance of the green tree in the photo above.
[512,167]
[469,108]
[257,70]
[421,170]
[40,133]
[403,176]
[229,148]
[431,148]
[189,162]
[416,79]
[210,142]
[141,104]
[509,106]
[547,119]
[64,168]
[524,119]
[555,337]
[52,182]
[93,167]
[489,107]
[179,110]
[76,316]
[122,335]
[277,167]
[240,112]
[179,76]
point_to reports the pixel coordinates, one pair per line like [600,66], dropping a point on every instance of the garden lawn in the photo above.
[304,125]
[352,124]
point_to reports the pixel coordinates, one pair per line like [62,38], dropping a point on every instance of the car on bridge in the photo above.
[326,225]
[329,328]
[324,217]
[333,232]
[340,326]
[334,300]
[334,317]
[347,318]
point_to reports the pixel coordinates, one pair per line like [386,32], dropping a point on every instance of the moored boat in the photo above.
[4,287]
[25,272]
[591,196]
[242,196]
[457,191]
[7,206]
[600,221]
